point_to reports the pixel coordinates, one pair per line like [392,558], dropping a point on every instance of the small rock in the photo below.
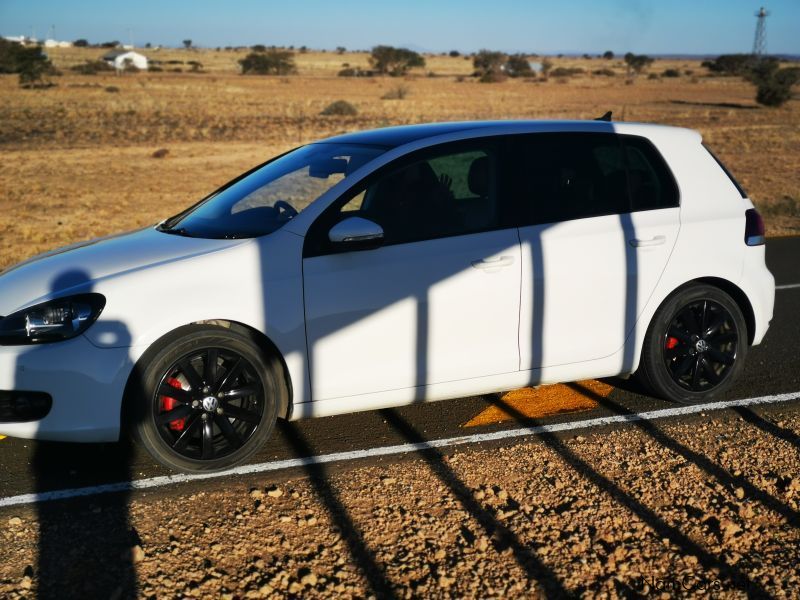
[445,582]
[739,493]
[275,492]
[26,583]
[14,521]
[137,554]
[309,579]
[388,480]
[255,494]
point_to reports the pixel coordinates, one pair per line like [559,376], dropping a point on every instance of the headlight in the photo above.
[51,321]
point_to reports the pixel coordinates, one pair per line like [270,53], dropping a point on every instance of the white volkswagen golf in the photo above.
[388,267]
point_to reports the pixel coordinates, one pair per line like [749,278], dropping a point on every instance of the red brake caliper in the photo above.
[168,404]
[671,343]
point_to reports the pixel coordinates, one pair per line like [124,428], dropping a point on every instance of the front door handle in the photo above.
[654,241]
[493,263]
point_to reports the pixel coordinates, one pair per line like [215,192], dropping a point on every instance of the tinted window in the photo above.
[565,176]
[445,193]
[651,183]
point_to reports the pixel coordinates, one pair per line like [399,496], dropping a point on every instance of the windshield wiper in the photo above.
[179,231]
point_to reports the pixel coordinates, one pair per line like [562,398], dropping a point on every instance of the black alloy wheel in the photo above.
[206,398]
[700,345]
[695,345]
[209,403]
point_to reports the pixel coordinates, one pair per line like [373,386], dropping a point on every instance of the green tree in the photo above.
[608,55]
[489,66]
[81,43]
[637,62]
[187,44]
[388,60]
[773,84]
[272,62]
[517,65]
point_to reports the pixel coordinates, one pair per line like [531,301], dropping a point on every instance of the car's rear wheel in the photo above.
[208,400]
[695,346]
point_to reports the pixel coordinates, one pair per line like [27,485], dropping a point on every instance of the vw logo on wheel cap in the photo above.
[210,403]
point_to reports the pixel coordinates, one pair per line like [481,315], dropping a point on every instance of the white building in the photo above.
[57,44]
[119,58]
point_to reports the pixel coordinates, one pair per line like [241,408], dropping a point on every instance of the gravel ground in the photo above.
[707,507]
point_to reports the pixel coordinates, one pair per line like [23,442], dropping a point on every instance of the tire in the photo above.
[695,347]
[206,399]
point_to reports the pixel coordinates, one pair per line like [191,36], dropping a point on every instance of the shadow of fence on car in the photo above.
[706,559]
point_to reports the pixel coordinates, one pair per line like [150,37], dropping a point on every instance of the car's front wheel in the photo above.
[695,346]
[207,400]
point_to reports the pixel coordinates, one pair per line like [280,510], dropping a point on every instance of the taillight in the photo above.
[753,228]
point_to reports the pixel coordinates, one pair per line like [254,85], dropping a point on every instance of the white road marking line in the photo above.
[788,286]
[153,482]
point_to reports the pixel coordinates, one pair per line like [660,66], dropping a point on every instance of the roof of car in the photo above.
[391,137]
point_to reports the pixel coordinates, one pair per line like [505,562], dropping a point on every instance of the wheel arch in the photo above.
[266,345]
[733,290]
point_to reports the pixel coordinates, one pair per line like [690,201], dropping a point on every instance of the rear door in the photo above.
[598,219]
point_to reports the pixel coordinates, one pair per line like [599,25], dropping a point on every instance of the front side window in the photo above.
[446,193]
[265,199]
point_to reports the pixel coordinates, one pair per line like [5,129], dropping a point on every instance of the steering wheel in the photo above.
[285,210]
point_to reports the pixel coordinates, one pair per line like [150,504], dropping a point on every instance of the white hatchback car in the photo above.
[388,267]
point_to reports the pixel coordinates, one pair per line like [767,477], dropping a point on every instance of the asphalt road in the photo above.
[772,368]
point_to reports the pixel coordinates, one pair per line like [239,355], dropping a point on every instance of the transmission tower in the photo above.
[760,41]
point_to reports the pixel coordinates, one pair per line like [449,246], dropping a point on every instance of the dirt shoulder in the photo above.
[709,506]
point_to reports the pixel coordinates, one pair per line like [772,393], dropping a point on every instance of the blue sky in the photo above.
[652,26]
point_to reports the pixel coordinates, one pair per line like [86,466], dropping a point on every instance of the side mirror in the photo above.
[356,233]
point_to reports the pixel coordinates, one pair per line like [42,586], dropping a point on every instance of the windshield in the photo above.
[265,199]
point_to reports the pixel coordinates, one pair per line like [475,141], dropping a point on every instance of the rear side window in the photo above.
[651,184]
[566,176]
[722,166]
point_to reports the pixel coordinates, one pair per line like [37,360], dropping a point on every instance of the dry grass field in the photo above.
[78,157]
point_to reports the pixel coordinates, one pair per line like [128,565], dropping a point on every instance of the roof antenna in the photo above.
[606,117]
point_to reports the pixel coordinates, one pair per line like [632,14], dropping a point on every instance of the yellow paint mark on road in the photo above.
[545,401]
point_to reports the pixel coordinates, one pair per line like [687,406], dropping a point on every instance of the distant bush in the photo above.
[671,73]
[773,85]
[608,55]
[730,64]
[566,71]
[113,44]
[112,89]
[92,67]
[354,72]
[272,62]
[258,48]
[81,43]
[653,76]
[388,60]
[340,108]
[396,93]
[340,49]
[155,69]
[517,65]
[604,72]
[489,66]
[454,53]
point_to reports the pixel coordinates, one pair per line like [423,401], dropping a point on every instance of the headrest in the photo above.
[478,179]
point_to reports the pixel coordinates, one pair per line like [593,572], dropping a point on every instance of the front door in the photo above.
[437,302]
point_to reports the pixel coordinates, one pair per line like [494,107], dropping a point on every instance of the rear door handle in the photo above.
[493,263]
[654,241]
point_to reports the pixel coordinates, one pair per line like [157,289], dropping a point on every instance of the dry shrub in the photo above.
[396,93]
[340,108]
